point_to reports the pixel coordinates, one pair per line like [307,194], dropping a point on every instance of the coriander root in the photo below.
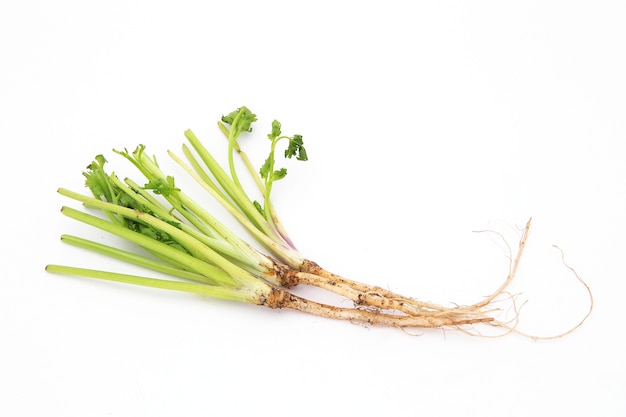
[281,298]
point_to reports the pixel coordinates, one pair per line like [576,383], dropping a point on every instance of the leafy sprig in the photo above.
[268,172]
[257,215]
[240,120]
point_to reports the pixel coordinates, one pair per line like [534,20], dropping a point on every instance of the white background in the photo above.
[423,122]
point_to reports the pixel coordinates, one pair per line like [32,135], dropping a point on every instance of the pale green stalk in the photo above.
[135,259]
[232,140]
[204,235]
[200,266]
[235,294]
[198,250]
[244,157]
[292,255]
[283,251]
[269,233]
[237,194]
[226,241]
[215,190]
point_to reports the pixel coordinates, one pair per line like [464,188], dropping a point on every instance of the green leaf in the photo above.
[230,117]
[296,148]
[103,187]
[126,201]
[257,205]
[100,160]
[96,178]
[163,187]
[241,119]
[265,168]
[275,130]
[279,174]
[94,184]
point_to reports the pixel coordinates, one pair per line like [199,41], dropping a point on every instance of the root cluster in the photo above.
[374,305]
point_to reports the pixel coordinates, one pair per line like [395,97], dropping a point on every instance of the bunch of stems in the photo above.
[185,241]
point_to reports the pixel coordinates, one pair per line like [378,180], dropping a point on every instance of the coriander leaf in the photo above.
[257,205]
[279,174]
[96,179]
[155,234]
[101,160]
[275,130]
[230,117]
[265,168]
[160,186]
[296,148]
[241,119]
[93,182]
[126,201]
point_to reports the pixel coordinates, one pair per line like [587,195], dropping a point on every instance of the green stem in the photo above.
[246,160]
[268,184]
[270,214]
[208,186]
[194,246]
[280,237]
[206,179]
[273,243]
[218,275]
[226,293]
[237,194]
[225,242]
[233,134]
[135,259]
